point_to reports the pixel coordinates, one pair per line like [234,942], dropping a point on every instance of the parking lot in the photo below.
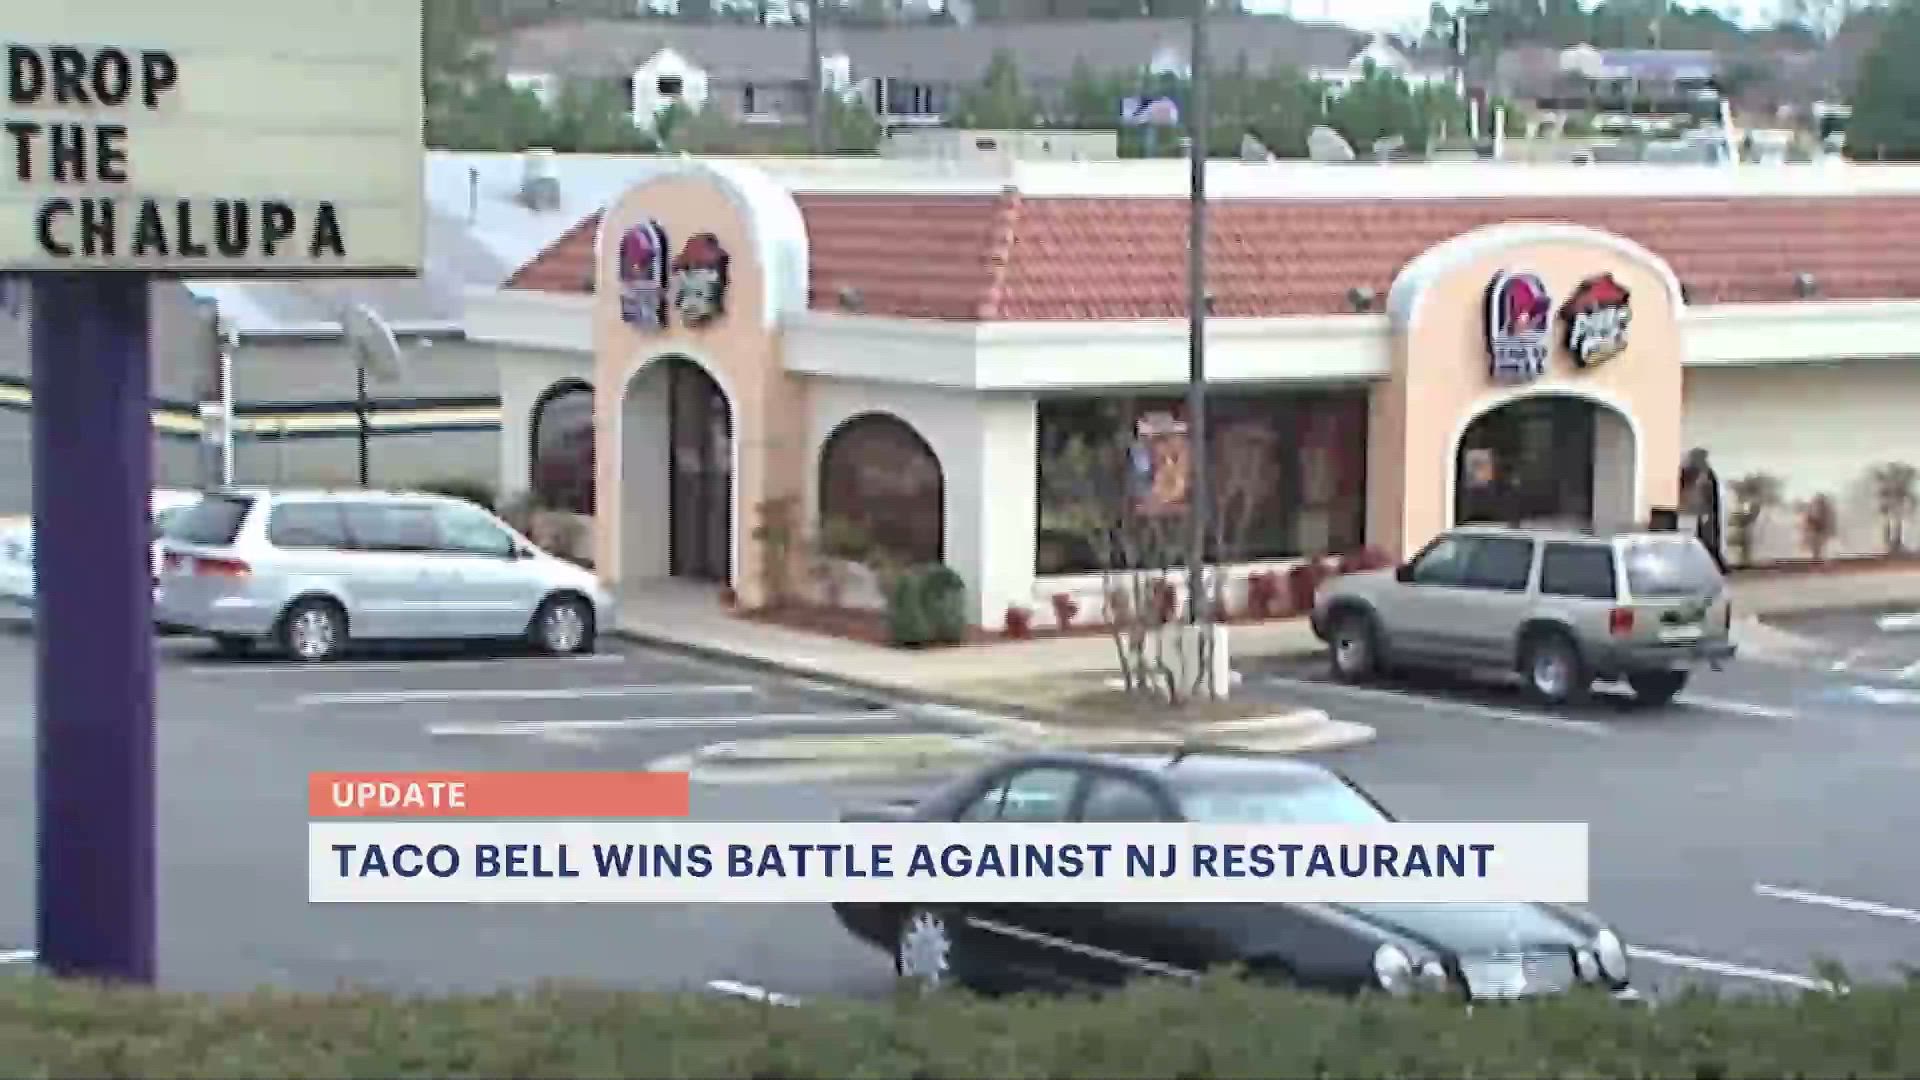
[1740,835]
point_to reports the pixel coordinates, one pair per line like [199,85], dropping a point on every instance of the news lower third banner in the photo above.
[623,838]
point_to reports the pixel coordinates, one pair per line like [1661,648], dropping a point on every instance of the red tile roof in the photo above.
[1007,257]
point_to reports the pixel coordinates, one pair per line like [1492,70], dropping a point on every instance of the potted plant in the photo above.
[1753,496]
[1818,523]
[1065,607]
[1893,488]
[1019,622]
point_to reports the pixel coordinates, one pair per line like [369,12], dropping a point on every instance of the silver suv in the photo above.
[310,571]
[1563,609]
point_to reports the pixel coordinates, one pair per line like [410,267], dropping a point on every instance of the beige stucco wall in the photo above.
[739,350]
[1440,379]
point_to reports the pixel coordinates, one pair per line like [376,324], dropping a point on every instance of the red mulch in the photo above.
[870,627]
[1860,564]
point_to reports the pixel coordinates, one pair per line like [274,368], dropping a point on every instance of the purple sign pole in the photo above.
[92,486]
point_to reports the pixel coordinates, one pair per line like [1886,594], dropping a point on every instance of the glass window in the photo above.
[1680,566]
[307,525]
[1111,798]
[1500,562]
[1041,794]
[1289,475]
[392,526]
[562,441]
[213,521]
[469,530]
[1317,802]
[1444,562]
[165,518]
[879,477]
[1583,570]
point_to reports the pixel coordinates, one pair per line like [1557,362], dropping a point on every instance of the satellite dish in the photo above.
[375,349]
[1325,144]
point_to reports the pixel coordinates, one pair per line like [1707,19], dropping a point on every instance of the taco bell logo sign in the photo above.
[1597,317]
[1519,324]
[642,275]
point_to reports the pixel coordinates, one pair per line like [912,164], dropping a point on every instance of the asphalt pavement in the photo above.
[1755,827]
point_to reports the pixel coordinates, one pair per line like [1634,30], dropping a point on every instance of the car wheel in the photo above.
[232,646]
[313,630]
[1657,687]
[1353,647]
[1553,671]
[563,626]
[923,951]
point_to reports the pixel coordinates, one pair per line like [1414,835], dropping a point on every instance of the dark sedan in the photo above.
[1476,951]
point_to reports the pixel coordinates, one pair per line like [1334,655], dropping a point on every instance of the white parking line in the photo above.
[1911,671]
[1886,695]
[1863,907]
[1734,971]
[1738,708]
[18,956]
[556,693]
[1895,622]
[1514,716]
[664,723]
[751,992]
[358,667]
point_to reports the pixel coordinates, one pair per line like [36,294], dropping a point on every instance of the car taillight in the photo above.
[221,568]
[1620,622]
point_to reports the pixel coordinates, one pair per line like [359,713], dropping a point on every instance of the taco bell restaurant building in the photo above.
[1391,350]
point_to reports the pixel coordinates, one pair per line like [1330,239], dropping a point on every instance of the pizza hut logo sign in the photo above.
[642,276]
[1519,323]
[1596,318]
[700,280]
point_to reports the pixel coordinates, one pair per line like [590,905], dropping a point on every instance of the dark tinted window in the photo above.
[1444,562]
[1500,562]
[1111,798]
[1675,567]
[307,525]
[1584,570]
[562,440]
[878,476]
[1041,794]
[213,521]
[392,526]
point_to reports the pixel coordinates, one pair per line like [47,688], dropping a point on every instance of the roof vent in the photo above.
[1805,285]
[1361,298]
[540,182]
[851,299]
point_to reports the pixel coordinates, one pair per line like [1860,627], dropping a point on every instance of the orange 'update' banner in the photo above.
[497,794]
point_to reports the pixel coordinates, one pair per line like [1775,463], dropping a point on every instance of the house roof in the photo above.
[1019,257]
[932,52]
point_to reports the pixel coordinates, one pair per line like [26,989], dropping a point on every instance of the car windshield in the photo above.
[214,520]
[1315,802]
[1677,567]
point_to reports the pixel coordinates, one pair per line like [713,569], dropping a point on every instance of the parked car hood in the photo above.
[1476,928]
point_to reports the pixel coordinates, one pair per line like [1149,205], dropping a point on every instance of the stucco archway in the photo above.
[1566,458]
[679,463]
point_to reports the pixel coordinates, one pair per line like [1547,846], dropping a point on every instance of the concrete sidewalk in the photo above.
[690,617]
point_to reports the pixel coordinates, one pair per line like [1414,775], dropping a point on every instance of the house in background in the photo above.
[914,74]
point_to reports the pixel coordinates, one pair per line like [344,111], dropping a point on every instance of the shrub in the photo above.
[1263,594]
[1302,582]
[1166,602]
[1065,607]
[926,606]
[1367,558]
[1818,523]
[1221,1027]
[1019,622]
[471,490]
[1893,490]
[1753,495]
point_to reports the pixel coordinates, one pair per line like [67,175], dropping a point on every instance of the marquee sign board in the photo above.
[215,139]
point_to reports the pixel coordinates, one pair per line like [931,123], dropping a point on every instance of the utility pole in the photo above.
[1198,502]
[816,94]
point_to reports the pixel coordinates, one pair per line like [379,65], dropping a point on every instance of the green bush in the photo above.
[471,490]
[926,605]
[1220,1028]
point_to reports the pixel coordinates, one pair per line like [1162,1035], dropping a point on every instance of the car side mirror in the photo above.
[1403,572]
